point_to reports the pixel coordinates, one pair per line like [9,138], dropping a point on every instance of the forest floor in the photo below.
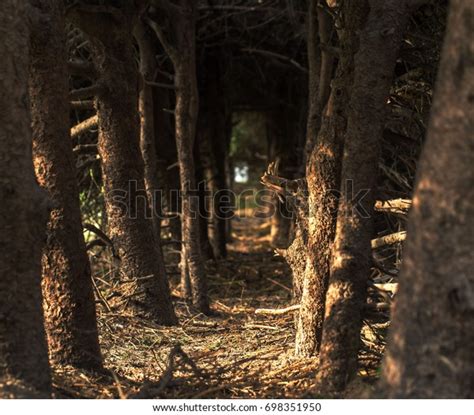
[234,354]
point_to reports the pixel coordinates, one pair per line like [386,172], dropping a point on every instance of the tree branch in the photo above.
[391,239]
[87,92]
[84,126]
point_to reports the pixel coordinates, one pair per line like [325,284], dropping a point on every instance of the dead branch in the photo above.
[160,85]
[84,126]
[101,235]
[148,390]
[391,239]
[277,311]
[395,206]
[82,105]
[82,93]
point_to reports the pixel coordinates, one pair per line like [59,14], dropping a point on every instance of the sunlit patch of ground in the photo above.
[234,354]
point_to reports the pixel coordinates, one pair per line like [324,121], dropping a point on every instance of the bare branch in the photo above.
[169,49]
[395,206]
[84,126]
[160,84]
[391,239]
[277,311]
[82,105]
[87,92]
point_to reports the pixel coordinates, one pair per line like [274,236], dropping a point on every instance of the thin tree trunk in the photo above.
[186,117]
[167,154]
[214,108]
[122,164]
[204,202]
[69,304]
[323,172]
[182,52]
[23,216]
[430,351]
[320,66]
[380,41]
[147,127]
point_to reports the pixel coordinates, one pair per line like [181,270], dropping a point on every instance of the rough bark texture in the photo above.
[24,208]
[186,117]
[180,45]
[122,165]
[374,65]
[430,348]
[323,177]
[69,305]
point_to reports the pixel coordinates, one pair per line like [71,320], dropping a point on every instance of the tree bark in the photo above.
[380,41]
[23,216]
[69,304]
[182,51]
[122,164]
[323,171]
[147,127]
[167,154]
[430,346]
[320,68]
[323,177]
[204,202]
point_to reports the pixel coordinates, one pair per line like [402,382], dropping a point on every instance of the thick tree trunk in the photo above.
[122,164]
[430,347]
[70,315]
[323,177]
[23,216]
[380,41]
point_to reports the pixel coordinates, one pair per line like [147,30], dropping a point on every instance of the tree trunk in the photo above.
[147,128]
[69,304]
[204,202]
[186,116]
[323,177]
[430,347]
[214,112]
[320,65]
[380,41]
[182,51]
[23,216]
[166,154]
[122,165]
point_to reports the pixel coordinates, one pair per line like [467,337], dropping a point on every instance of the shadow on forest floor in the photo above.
[234,354]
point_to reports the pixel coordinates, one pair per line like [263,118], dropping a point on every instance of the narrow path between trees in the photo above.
[236,353]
